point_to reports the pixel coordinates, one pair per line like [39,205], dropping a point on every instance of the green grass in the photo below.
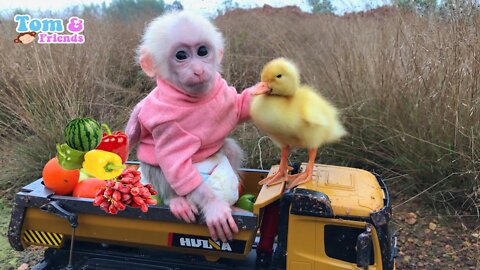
[8,256]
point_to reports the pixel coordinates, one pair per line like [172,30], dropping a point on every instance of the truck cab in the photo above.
[339,220]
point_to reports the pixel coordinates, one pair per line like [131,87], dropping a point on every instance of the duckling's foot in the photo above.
[302,178]
[298,179]
[279,177]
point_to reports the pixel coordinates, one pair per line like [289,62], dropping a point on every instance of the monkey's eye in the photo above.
[181,55]
[202,51]
[279,76]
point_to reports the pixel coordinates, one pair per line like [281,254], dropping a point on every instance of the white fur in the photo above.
[234,153]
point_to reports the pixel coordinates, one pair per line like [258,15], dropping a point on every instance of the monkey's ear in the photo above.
[220,55]
[146,62]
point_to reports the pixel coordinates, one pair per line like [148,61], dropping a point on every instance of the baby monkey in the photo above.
[181,127]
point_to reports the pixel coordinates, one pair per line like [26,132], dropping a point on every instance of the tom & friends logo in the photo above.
[49,30]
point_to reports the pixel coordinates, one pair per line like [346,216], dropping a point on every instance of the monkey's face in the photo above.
[192,63]
[193,68]
[27,39]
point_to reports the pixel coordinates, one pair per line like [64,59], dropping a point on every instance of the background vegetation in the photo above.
[407,83]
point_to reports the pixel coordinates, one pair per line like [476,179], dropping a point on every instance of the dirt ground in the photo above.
[432,242]
[425,241]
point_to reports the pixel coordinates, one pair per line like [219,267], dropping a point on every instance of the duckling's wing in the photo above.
[316,110]
[314,116]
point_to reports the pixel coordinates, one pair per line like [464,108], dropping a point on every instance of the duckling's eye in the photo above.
[181,55]
[202,51]
[279,76]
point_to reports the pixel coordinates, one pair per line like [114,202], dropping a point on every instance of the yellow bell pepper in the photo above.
[102,164]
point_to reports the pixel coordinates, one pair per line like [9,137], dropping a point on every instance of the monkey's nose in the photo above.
[199,75]
[198,72]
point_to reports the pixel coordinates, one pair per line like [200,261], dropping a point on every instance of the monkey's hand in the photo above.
[182,209]
[217,213]
[218,216]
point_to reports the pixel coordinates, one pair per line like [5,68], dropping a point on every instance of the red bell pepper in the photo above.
[116,142]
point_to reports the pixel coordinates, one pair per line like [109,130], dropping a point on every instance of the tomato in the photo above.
[88,187]
[56,178]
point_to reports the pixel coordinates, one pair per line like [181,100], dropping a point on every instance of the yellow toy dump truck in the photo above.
[339,220]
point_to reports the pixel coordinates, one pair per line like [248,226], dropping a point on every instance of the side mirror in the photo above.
[364,248]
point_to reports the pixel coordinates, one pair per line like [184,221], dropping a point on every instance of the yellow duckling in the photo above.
[292,115]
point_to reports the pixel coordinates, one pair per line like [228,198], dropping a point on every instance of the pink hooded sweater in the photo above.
[187,129]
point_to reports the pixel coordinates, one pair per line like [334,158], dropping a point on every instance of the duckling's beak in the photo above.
[260,89]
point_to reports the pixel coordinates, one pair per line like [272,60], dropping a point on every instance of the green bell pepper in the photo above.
[69,158]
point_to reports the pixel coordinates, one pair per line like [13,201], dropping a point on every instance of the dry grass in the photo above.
[408,87]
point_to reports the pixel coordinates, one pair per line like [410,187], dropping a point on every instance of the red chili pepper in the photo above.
[116,142]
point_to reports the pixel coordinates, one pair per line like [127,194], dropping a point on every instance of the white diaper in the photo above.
[218,174]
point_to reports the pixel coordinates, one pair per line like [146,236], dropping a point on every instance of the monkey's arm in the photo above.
[174,148]
[133,126]
[243,104]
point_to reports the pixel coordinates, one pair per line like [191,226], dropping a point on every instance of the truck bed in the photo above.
[42,218]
